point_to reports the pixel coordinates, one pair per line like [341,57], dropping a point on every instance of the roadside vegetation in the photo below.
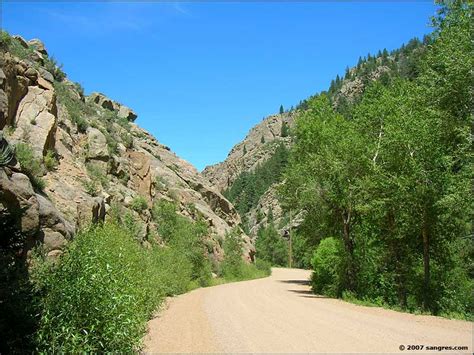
[386,183]
[98,296]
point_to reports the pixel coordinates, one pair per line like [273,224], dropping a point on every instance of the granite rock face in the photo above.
[103,161]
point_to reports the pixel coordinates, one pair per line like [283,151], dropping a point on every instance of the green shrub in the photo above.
[112,145]
[50,161]
[80,122]
[127,139]
[185,236]
[9,43]
[105,288]
[232,266]
[160,183]
[96,175]
[139,204]
[30,165]
[76,108]
[264,266]
[328,266]
[91,187]
[5,40]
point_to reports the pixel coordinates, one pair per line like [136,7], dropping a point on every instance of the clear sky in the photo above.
[201,74]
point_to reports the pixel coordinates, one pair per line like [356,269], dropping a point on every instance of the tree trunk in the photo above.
[426,263]
[398,260]
[349,246]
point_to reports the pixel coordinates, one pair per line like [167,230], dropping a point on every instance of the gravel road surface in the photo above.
[280,314]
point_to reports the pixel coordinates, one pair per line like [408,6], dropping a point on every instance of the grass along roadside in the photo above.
[106,274]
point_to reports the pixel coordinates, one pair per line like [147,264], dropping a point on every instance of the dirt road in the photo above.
[280,314]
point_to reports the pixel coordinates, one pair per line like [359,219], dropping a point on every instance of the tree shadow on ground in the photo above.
[296,282]
[307,294]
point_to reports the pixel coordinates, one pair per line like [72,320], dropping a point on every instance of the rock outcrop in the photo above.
[36,120]
[93,158]
[259,145]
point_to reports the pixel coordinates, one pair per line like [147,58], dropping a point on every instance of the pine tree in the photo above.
[282,110]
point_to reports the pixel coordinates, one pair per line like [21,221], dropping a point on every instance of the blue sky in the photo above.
[201,74]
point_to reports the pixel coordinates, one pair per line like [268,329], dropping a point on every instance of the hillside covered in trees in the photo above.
[385,179]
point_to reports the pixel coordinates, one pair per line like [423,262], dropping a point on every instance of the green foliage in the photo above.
[18,299]
[127,140]
[186,236]
[13,45]
[392,183]
[282,110]
[328,267]
[5,40]
[97,175]
[232,266]
[30,165]
[112,144]
[7,153]
[247,189]
[285,130]
[105,275]
[160,183]
[139,204]
[271,247]
[50,161]
[76,108]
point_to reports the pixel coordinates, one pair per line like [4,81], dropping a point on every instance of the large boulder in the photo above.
[38,45]
[13,87]
[18,201]
[90,210]
[55,230]
[101,100]
[127,113]
[36,120]
[97,145]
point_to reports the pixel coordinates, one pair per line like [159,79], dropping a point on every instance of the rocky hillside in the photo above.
[67,160]
[259,145]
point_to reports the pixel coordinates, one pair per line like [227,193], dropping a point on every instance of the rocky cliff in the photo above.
[259,145]
[67,160]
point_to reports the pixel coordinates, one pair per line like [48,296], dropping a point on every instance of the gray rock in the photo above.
[31,74]
[46,74]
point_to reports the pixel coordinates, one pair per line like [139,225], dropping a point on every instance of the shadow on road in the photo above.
[296,282]
[307,294]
